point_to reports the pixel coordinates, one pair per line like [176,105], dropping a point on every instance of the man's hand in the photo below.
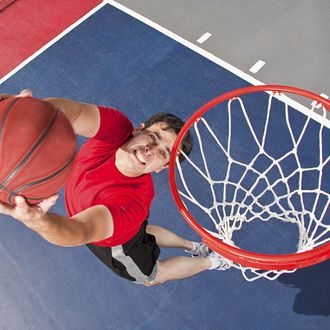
[31,215]
[23,93]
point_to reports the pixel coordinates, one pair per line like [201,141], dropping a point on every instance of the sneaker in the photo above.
[200,250]
[218,262]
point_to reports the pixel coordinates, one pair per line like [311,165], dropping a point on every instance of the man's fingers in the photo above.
[21,207]
[20,200]
[25,92]
[47,203]
[53,198]
[21,203]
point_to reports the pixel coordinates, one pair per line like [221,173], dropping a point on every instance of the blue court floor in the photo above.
[113,59]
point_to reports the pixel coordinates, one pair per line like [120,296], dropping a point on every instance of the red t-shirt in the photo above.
[96,180]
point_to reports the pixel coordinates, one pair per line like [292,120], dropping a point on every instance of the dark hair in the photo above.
[173,123]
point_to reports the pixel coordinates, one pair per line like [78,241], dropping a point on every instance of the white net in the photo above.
[247,174]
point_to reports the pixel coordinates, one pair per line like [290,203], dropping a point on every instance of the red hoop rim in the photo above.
[244,257]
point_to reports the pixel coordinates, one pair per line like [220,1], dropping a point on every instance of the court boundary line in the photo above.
[197,49]
[186,43]
[51,42]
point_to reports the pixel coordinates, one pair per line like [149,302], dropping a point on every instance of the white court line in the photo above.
[256,67]
[204,37]
[186,43]
[50,43]
[215,59]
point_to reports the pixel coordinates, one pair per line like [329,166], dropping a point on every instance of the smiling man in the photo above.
[109,194]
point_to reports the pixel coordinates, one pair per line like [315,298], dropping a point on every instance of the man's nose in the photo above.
[148,148]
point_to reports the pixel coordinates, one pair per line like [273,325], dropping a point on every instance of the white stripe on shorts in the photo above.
[131,267]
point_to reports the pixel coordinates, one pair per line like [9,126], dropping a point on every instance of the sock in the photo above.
[216,261]
[195,244]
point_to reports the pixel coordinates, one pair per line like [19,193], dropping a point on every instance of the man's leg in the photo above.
[166,238]
[177,268]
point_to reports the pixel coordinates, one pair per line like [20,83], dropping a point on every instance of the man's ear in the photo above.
[161,168]
[138,129]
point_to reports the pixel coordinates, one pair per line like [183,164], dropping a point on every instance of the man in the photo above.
[109,194]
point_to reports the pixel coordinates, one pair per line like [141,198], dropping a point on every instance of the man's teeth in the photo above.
[139,157]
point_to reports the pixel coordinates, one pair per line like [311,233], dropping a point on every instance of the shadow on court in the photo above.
[314,297]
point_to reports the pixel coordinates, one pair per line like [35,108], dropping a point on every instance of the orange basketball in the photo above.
[37,149]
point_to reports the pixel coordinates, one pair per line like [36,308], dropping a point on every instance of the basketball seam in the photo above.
[2,187]
[44,179]
[32,149]
[6,116]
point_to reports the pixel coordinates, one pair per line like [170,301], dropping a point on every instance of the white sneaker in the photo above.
[218,262]
[200,250]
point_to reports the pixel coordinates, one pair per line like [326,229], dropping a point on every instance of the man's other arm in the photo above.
[84,117]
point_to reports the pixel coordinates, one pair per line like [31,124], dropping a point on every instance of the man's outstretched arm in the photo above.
[91,225]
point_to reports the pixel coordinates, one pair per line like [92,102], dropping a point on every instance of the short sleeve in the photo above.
[114,125]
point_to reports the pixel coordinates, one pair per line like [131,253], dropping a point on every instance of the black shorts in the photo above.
[134,260]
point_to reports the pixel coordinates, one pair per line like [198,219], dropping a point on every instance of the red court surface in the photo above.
[27,25]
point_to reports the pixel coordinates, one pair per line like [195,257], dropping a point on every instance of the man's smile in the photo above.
[140,157]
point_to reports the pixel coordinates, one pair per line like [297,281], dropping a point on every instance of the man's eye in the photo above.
[153,137]
[163,153]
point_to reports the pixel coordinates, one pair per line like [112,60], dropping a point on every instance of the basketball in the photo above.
[37,149]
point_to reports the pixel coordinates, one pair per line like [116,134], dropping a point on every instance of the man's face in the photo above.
[148,150]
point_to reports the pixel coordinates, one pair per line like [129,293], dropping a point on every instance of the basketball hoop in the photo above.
[256,177]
